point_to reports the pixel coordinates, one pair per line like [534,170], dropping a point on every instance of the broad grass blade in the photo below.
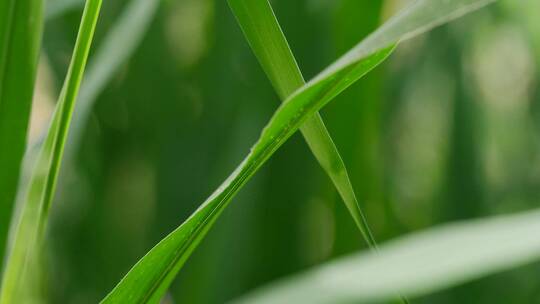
[149,279]
[21,27]
[269,44]
[415,265]
[30,225]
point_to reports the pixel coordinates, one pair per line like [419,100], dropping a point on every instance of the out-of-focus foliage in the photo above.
[21,27]
[447,129]
[414,265]
[29,224]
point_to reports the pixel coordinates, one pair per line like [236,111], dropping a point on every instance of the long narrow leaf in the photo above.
[269,44]
[119,44]
[415,265]
[148,280]
[21,26]
[30,226]
[128,32]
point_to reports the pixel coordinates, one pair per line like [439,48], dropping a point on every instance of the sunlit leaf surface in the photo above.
[149,279]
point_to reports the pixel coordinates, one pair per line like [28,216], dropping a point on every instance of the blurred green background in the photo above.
[447,129]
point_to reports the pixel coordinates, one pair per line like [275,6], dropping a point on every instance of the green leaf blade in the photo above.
[128,31]
[149,278]
[21,24]
[415,265]
[264,34]
[29,226]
